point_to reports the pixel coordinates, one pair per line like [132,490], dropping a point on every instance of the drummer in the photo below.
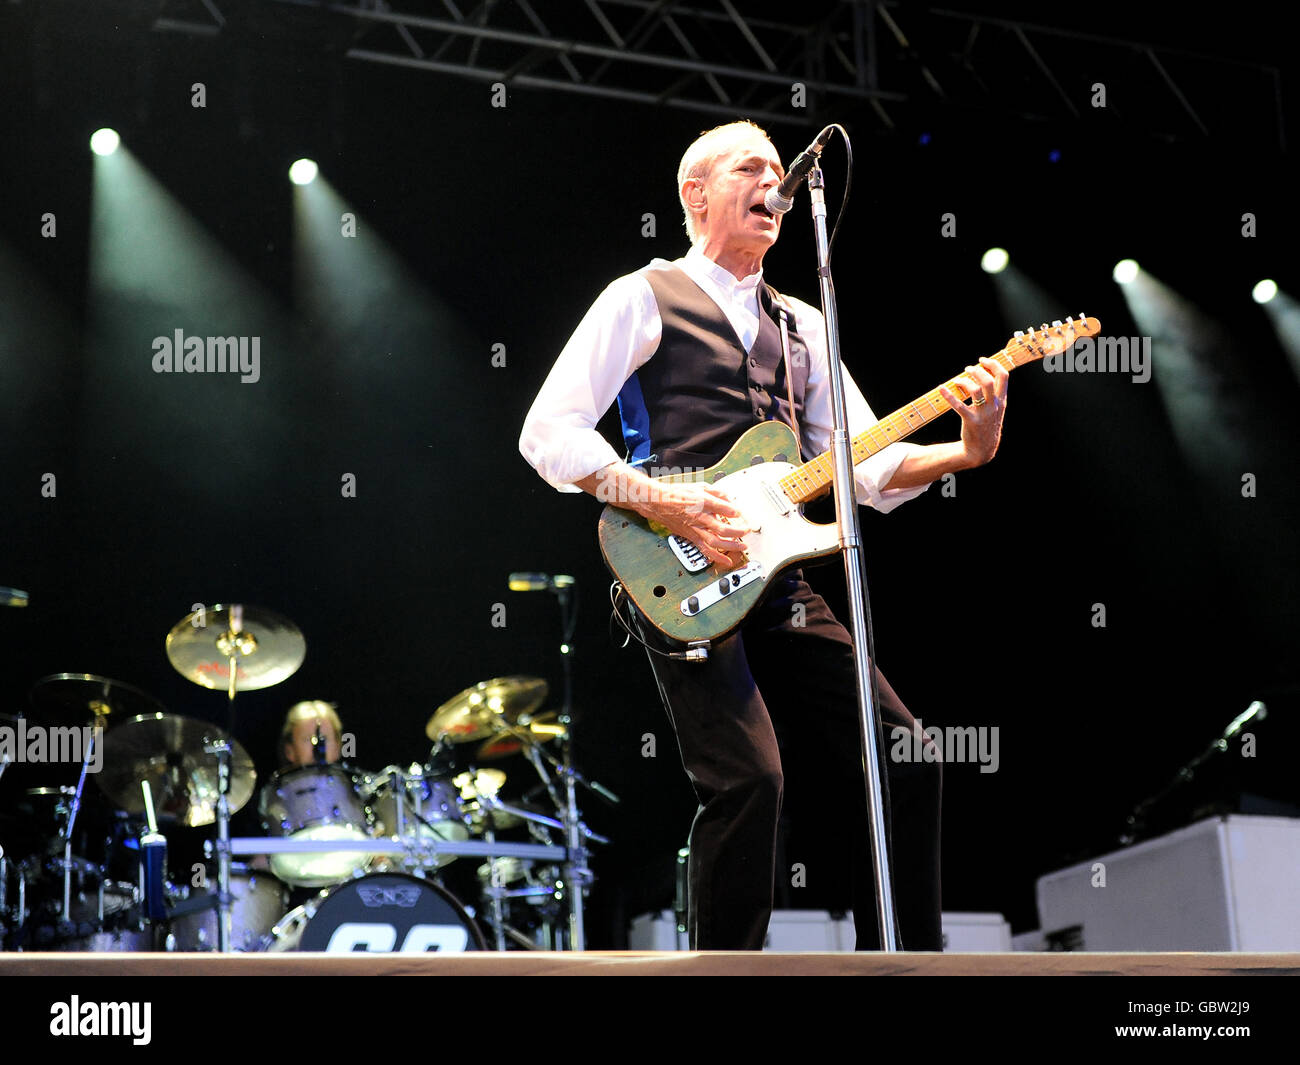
[309,726]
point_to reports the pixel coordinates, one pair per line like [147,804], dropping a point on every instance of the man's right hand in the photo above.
[698,512]
[702,514]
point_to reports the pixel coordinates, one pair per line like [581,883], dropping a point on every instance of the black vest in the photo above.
[701,390]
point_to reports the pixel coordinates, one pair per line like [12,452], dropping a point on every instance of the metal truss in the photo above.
[894,59]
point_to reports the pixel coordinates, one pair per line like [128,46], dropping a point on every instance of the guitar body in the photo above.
[687,606]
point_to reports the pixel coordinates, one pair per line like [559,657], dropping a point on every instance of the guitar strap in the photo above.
[783,317]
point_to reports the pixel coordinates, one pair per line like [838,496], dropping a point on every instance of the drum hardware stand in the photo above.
[232,643]
[495,891]
[74,807]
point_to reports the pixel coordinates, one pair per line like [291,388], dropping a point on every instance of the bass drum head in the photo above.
[388,913]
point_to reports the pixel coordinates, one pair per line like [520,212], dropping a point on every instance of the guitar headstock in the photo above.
[1039,342]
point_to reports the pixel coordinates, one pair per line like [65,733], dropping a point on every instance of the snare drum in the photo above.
[316,802]
[406,804]
[256,900]
[385,913]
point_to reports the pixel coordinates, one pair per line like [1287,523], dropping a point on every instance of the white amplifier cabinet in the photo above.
[820,932]
[1228,883]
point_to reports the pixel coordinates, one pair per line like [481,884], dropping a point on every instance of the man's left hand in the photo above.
[981,419]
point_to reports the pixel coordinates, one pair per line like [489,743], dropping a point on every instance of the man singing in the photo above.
[693,350]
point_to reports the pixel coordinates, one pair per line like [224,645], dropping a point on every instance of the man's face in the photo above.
[733,195]
[298,751]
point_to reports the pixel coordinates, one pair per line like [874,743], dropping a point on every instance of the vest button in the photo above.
[753,363]
[758,412]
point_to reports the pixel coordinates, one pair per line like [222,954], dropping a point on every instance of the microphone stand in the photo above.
[1135,824]
[576,872]
[846,514]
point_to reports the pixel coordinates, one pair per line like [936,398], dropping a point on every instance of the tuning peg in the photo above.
[1082,317]
[1056,322]
[1044,327]
[1019,333]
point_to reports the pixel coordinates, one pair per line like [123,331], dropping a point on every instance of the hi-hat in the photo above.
[81,699]
[172,754]
[268,648]
[477,712]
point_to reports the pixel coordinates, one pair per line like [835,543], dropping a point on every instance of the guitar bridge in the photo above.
[721,588]
[690,556]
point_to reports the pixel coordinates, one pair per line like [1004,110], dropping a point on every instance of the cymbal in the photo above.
[269,648]
[169,751]
[80,699]
[480,782]
[475,713]
[529,730]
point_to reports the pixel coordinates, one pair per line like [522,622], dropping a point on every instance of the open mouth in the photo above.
[760,209]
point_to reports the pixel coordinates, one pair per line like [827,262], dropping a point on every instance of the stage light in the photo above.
[1125,271]
[994,261]
[1264,291]
[303,172]
[104,141]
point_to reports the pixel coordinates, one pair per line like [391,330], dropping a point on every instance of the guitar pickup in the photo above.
[718,590]
[690,556]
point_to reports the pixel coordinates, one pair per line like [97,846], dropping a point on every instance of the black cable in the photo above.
[844,199]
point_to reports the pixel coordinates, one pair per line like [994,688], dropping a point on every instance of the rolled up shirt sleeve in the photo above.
[872,474]
[615,338]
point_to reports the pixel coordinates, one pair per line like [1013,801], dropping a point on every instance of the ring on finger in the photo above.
[980,401]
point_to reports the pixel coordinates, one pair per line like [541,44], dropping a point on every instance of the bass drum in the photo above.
[388,913]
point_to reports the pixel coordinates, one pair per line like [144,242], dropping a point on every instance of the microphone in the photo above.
[780,199]
[539,582]
[12,597]
[318,748]
[1255,710]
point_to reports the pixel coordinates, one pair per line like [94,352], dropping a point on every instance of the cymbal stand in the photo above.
[495,891]
[232,643]
[576,873]
[74,808]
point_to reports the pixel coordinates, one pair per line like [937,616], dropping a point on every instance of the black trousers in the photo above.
[790,669]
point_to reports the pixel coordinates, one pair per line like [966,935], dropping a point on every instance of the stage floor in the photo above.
[665,963]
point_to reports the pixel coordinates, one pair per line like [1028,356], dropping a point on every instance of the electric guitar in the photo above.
[689,599]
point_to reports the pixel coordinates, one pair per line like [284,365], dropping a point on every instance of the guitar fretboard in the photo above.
[813,478]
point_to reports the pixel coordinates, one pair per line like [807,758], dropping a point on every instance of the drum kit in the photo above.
[351,860]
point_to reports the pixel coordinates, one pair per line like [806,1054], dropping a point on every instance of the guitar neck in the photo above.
[813,478]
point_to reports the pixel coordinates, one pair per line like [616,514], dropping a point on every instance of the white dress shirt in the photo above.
[621,333]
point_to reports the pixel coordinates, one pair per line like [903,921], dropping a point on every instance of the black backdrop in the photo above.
[176,490]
